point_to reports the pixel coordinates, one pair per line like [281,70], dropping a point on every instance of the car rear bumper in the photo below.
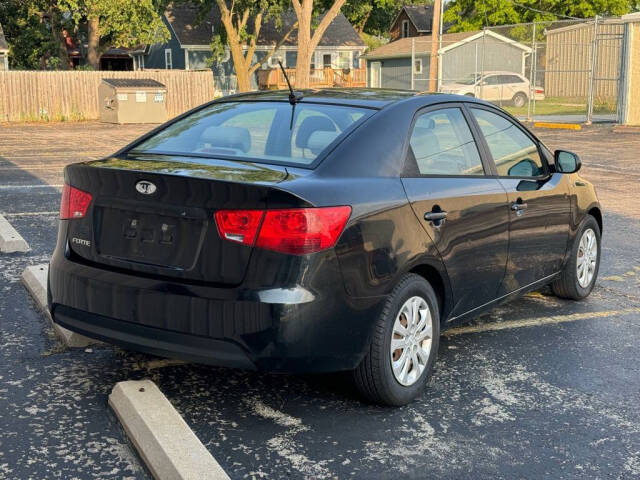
[297,326]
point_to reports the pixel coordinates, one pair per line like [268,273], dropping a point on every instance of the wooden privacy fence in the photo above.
[57,96]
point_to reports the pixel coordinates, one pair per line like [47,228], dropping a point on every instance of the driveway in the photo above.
[538,388]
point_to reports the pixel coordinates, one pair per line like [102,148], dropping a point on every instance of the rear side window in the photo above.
[513,152]
[442,144]
[267,132]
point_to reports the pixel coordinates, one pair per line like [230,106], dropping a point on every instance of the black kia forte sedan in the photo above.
[329,230]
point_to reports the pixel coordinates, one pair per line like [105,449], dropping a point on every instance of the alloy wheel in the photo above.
[587,258]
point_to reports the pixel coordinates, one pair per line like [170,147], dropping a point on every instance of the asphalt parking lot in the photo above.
[552,395]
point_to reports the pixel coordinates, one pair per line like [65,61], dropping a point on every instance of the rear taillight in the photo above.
[539,90]
[239,225]
[74,203]
[296,231]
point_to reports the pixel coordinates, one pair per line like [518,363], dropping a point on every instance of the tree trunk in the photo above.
[306,42]
[240,66]
[303,63]
[93,53]
[56,33]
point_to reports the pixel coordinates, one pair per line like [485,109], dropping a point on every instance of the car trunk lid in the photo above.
[154,215]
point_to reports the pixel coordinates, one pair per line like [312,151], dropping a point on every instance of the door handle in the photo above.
[435,216]
[516,207]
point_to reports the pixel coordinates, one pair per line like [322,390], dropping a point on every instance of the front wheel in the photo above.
[579,275]
[404,345]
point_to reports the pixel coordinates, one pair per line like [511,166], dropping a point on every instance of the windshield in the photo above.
[469,79]
[266,132]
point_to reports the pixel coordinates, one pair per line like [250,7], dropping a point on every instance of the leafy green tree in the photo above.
[466,15]
[375,17]
[121,23]
[242,21]
[33,29]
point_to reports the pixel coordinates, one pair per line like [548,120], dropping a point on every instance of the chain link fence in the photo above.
[560,71]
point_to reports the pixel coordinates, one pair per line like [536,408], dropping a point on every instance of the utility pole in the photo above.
[435,42]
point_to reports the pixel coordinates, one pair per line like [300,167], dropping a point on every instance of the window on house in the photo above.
[405,28]
[344,60]
[417,65]
[168,60]
[326,60]
[273,60]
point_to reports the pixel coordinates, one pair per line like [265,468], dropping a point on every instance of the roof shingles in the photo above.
[3,42]
[402,47]
[421,16]
[191,28]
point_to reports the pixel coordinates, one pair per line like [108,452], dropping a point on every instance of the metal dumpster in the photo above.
[132,100]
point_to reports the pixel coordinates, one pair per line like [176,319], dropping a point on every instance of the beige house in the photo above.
[4,52]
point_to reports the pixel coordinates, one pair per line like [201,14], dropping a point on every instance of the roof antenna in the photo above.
[294,97]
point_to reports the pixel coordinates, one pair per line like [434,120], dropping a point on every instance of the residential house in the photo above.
[412,21]
[460,55]
[191,35]
[4,51]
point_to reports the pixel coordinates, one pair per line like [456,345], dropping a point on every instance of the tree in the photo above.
[375,17]
[33,29]
[237,17]
[308,41]
[466,15]
[121,23]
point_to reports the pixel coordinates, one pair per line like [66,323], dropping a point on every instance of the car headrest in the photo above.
[319,139]
[227,137]
[424,142]
[310,125]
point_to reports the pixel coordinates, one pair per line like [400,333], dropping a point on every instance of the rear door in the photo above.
[539,206]
[464,212]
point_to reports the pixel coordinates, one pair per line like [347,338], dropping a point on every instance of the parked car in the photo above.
[344,231]
[497,87]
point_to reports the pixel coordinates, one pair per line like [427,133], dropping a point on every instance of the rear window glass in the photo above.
[268,132]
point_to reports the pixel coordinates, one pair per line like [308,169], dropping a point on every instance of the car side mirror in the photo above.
[566,162]
[524,168]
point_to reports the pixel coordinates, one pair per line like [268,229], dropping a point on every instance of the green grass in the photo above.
[565,106]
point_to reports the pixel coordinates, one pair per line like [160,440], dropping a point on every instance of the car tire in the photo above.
[375,377]
[571,284]
[519,100]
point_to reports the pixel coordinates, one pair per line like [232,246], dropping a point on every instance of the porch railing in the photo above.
[319,78]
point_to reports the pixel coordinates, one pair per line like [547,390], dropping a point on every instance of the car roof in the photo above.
[358,97]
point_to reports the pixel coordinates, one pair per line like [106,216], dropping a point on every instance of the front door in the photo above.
[539,206]
[374,75]
[464,212]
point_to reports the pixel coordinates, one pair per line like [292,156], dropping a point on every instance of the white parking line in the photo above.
[34,278]
[10,240]
[18,187]
[165,442]
[29,214]
[535,322]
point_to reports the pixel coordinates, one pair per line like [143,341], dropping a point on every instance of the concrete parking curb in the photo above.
[10,239]
[165,442]
[34,278]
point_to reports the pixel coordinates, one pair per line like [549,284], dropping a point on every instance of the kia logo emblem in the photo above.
[145,187]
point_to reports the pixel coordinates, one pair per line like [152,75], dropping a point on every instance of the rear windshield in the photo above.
[267,132]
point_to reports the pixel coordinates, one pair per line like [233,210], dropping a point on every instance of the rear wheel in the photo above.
[519,99]
[580,272]
[404,345]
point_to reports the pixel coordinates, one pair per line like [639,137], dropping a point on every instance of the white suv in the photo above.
[496,87]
